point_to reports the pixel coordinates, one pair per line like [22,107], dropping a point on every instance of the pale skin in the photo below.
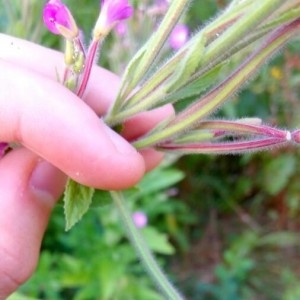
[60,135]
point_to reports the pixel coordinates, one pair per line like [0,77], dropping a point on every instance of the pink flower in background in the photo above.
[140,219]
[121,29]
[179,36]
[3,147]
[116,10]
[112,12]
[56,13]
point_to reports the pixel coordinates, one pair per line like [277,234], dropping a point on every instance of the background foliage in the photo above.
[223,227]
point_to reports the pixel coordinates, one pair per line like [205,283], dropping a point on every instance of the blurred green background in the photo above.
[222,227]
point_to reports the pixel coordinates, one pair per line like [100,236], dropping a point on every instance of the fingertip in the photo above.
[114,172]
[152,158]
[145,121]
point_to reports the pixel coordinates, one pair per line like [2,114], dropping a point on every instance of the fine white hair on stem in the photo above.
[288,135]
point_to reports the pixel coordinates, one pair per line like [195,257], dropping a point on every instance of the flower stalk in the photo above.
[223,148]
[142,249]
[93,49]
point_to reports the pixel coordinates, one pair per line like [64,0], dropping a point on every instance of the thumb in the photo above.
[29,189]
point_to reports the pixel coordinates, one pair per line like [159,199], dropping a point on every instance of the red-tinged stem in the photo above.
[241,127]
[223,148]
[295,136]
[88,67]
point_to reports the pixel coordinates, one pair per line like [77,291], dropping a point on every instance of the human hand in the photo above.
[60,135]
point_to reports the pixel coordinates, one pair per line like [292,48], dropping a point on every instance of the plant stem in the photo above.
[224,147]
[240,29]
[88,68]
[204,106]
[144,59]
[142,249]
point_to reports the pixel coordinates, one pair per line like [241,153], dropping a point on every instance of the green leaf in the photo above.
[19,296]
[157,40]
[195,87]
[127,85]
[158,180]
[188,66]
[103,198]
[157,241]
[77,200]
[280,239]
[277,173]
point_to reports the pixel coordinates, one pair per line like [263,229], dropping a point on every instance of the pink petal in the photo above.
[55,12]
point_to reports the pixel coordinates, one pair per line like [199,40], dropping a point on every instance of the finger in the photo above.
[142,123]
[64,131]
[152,158]
[102,87]
[99,94]
[28,191]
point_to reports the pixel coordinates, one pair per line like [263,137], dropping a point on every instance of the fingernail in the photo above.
[47,182]
[122,146]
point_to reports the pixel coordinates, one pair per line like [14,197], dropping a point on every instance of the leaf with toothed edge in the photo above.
[77,200]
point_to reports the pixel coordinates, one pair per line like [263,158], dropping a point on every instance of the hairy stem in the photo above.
[142,249]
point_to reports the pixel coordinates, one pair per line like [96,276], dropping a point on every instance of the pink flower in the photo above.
[140,219]
[112,11]
[121,29]
[179,36]
[58,19]
[116,10]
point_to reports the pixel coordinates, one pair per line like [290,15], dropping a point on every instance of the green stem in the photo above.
[245,18]
[167,69]
[238,31]
[158,39]
[150,102]
[144,59]
[206,105]
[142,249]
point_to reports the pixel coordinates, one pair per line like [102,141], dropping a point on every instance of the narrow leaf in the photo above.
[125,87]
[158,39]
[277,173]
[195,87]
[189,64]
